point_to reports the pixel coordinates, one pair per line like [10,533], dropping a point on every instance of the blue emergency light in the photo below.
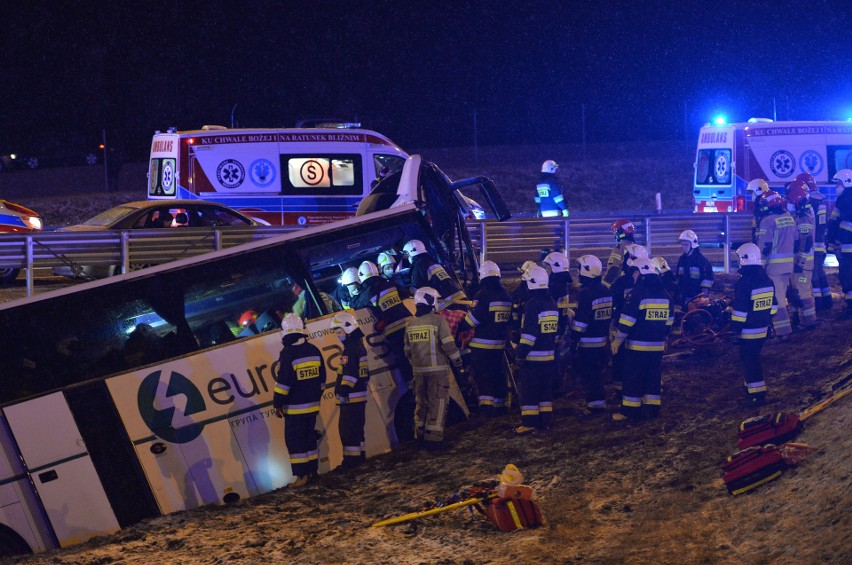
[720,120]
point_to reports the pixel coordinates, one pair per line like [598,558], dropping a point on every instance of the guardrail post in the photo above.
[648,235]
[482,242]
[29,254]
[727,254]
[566,230]
[125,252]
[217,240]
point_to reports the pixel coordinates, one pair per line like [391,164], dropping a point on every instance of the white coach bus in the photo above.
[145,393]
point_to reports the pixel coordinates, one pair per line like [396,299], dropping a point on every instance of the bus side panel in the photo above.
[240,165]
[19,506]
[61,469]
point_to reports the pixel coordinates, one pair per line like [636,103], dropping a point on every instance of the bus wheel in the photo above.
[11,543]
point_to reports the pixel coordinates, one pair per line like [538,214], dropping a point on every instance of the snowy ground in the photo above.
[648,492]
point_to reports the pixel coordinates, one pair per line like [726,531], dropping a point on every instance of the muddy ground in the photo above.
[643,492]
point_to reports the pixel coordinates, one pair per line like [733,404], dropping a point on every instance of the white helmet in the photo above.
[536,278]
[489,269]
[414,248]
[690,237]
[366,270]
[844,177]
[385,260]
[590,266]
[428,296]
[645,266]
[527,266]
[558,262]
[350,277]
[749,254]
[549,166]
[661,265]
[757,187]
[345,321]
[292,324]
[635,251]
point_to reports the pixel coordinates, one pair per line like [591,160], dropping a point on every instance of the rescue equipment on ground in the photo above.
[510,506]
[706,320]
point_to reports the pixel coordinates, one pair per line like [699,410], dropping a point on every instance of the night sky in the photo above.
[417,71]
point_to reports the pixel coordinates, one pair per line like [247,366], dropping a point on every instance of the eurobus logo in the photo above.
[168,420]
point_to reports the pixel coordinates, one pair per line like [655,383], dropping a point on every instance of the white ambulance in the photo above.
[301,176]
[731,155]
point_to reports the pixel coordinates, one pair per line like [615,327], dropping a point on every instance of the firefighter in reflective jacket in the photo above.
[519,299]
[425,271]
[350,389]
[536,353]
[301,376]
[803,249]
[559,285]
[839,234]
[590,331]
[819,281]
[430,349]
[754,305]
[776,235]
[643,327]
[620,291]
[624,233]
[756,188]
[490,315]
[694,271]
[548,192]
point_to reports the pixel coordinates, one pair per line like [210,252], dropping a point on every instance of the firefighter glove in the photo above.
[614,346]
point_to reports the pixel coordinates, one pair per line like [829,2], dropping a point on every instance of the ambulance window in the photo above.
[387,164]
[713,166]
[322,174]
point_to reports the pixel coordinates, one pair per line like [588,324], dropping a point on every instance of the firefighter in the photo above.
[559,286]
[754,305]
[620,291]
[385,302]
[669,281]
[520,296]
[839,234]
[694,271]
[624,233]
[425,271]
[301,376]
[643,327]
[803,249]
[822,290]
[490,315]
[536,355]
[590,331]
[549,192]
[431,350]
[350,389]
[756,188]
[347,292]
[776,235]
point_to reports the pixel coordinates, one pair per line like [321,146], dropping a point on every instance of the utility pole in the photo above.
[475,140]
[106,156]
[583,122]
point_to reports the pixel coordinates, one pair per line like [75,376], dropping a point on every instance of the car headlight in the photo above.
[34,222]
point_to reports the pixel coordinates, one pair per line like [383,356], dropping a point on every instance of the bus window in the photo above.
[322,175]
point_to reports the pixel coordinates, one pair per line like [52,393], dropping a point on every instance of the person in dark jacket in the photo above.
[822,290]
[643,327]
[624,233]
[559,285]
[620,291]
[490,316]
[590,331]
[426,271]
[694,271]
[301,376]
[535,356]
[839,234]
[549,196]
[350,389]
[754,305]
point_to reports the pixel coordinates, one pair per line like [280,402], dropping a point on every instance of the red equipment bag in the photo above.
[510,514]
[769,428]
[752,467]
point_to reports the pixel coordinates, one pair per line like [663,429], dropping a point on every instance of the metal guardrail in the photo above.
[122,249]
[513,242]
[506,243]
